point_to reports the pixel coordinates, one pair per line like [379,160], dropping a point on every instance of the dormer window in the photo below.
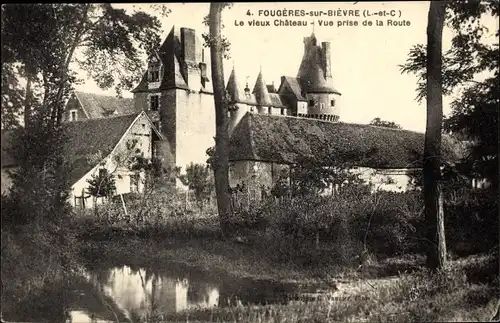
[73,115]
[311,103]
[154,69]
[154,75]
[154,104]
[332,103]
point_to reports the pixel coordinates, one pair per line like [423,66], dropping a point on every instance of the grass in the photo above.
[419,296]
[387,290]
[369,288]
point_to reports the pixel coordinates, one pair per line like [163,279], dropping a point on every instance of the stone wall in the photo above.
[194,127]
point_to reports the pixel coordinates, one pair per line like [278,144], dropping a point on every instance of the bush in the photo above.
[337,229]
[161,214]
[471,221]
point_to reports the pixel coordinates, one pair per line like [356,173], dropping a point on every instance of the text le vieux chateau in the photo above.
[318,13]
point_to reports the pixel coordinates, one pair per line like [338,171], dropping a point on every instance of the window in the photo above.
[270,110]
[73,115]
[154,75]
[311,103]
[321,106]
[251,109]
[155,103]
[282,111]
[332,103]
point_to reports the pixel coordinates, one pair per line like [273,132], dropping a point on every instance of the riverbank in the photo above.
[390,290]
[240,260]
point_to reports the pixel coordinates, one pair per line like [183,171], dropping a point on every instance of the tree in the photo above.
[105,41]
[12,98]
[220,160]
[381,123]
[436,251]
[470,65]
[198,179]
[101,184]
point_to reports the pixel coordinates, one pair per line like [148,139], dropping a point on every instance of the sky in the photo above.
[364,59]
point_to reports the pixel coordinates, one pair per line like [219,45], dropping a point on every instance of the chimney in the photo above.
[188,41]
[326,59]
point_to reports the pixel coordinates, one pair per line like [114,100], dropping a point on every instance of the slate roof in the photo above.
[260,91]
[93,137]
[294,86]
[285,140]
[102,106]
[174,69]
[86,138]
[260,95]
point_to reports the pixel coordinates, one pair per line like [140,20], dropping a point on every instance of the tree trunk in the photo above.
[434,217]
[221,160]
[27,102]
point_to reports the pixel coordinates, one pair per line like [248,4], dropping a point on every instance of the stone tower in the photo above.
[176,93]
[315,79]
[240,99]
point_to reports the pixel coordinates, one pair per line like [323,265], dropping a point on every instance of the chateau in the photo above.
[176,92]
[270,128]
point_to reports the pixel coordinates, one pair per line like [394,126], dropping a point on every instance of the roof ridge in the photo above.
[112,118]
[101,94]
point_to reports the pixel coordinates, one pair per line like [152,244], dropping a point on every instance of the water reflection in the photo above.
[138,292]
[132,294]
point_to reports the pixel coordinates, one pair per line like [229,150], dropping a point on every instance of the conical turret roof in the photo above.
[260,90]
[233,89]
[311,74]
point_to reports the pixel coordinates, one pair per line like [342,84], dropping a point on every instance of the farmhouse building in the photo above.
[95,145]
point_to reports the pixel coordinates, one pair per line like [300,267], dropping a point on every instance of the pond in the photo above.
[127,293]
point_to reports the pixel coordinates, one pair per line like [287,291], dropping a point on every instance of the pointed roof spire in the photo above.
[260,91]
[232,87]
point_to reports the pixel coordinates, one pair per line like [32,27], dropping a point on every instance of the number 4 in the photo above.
[249,13]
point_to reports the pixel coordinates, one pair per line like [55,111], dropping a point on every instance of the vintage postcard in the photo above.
[250,162]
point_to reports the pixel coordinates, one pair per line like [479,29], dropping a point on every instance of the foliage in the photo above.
[198,178]
[159,213]
[106,42]
[474,116]
[208,41]
[102,184]
[312,176]
[382,123]
[12,97]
